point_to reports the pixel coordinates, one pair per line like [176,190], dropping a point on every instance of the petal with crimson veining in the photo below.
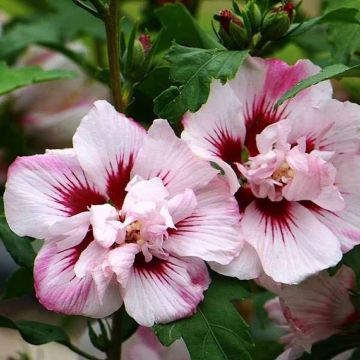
[47,188]
[165,290]
[167,157]
[217,131]
[107,144]
[346,223]
[60,290]
[290,241]
[211,231]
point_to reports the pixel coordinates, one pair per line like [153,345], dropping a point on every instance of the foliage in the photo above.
[217,331]
[15,78]
[331,72]
[194,70]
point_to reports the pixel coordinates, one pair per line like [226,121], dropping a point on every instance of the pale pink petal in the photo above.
[107,228]
[333,126]
[46,188]
[89,259]
[292,353]
[245,266]
[275,312]
[291,243]
[323,308]
[120,261]
[217,131]
[145,190]
[211,231]
[182,205]
[60,290]
[107,144]
[165,290]
[346,223]
[70,231]
[169,158]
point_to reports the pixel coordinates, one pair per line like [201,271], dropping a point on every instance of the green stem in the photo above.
[78,351]
[116,335]
[112,26]
[259,46]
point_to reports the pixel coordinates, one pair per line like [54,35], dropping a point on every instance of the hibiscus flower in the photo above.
[312,311]
[127,216]
[298,166]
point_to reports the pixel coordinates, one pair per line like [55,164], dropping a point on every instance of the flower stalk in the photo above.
[111,20]
[116,334]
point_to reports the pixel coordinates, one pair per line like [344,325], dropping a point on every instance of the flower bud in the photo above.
[277,22]
[137,65]
[254,15]
[232,31]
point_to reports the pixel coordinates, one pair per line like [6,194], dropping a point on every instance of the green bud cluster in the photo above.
[277,21]
[253,25]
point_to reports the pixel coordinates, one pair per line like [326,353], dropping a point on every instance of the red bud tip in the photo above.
[226,17]
[145,41]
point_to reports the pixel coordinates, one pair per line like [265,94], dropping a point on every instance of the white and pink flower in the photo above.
[312,311]
[127,216]
[298,165]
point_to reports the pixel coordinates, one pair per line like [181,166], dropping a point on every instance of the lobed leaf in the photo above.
[194,69]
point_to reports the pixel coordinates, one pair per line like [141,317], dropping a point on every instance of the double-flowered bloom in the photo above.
[294,169]
[127,216]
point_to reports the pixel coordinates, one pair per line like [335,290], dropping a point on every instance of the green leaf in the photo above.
[36,333]
[330,72]
[194,69]
[20,283]
[344,38]
[15,78]
[19,248]
[64,22]
[180,26]
[216,331]
[352,259]
[339,17]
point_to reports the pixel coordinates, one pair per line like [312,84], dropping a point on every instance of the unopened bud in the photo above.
[254,15]
[145,41]
[277,22]
[232,31]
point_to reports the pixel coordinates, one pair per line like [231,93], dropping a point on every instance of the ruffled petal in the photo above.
[170,159]
[60,290]
[46,188]
[211,231]
[344,224]
[107,144]
[120,261]
[245,266]
[165,290]
[291,243]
